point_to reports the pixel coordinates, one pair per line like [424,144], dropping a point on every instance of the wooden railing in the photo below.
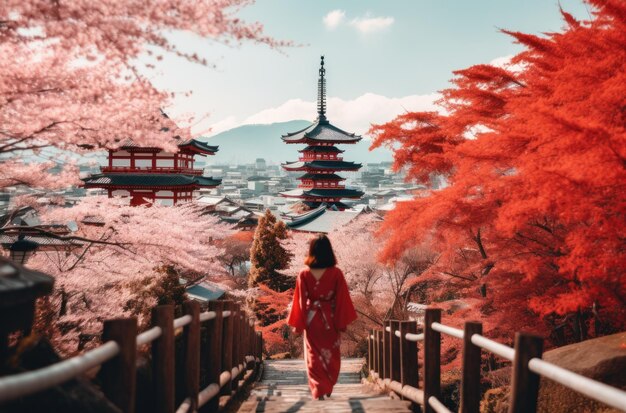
[232,353]
[393,353]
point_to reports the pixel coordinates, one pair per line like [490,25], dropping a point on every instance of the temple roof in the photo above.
[334,205]
[322,220]
[321,131]
[326,177]
[323,193]
[321,149]
[151,180]
[201,148]
[322,165]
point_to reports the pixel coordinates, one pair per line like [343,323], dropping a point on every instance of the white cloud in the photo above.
[501,61]
[371,24]
[333,19]
[354,115]
[505,63]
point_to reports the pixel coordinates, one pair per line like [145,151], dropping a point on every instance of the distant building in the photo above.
[229,211]
[321,160]
[261,164]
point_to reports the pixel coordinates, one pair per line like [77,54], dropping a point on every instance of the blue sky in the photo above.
[378,49]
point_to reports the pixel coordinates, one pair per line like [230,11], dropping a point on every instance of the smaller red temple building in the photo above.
[152,175]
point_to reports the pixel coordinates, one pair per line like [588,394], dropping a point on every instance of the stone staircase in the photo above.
[284,388]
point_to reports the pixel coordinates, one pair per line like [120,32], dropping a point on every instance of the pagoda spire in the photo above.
[321,92]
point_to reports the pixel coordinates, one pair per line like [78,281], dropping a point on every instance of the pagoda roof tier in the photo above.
[321,165]
[149,180]
[322,193]
[321,131]
[321,149]
[322,177]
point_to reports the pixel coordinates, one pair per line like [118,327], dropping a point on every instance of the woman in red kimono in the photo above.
[322,308]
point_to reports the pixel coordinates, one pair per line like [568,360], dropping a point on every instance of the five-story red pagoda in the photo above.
[321,159]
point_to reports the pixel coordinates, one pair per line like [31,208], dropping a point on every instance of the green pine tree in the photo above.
[267,255]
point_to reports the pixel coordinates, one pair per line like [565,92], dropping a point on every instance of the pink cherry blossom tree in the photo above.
[73,74]
[96,281]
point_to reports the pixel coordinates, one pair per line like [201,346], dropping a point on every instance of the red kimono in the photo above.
[322,309]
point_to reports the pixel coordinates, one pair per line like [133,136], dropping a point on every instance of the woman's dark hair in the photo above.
[321,253]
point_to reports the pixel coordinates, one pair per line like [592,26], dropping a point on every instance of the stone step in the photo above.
[284,388]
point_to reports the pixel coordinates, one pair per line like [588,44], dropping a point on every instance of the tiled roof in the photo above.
[205,291]
[322,165]
[325,222]
[153,180]
[321,131]
[318,192]
[342,193]
[326,177]
[202,147]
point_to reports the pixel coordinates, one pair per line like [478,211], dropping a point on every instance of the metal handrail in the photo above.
[593,389]
[149,336]
[414,337]
[30,382]
[26,383]
[442,328]
[182,321]
[207,315]
[494,347]
[437,405]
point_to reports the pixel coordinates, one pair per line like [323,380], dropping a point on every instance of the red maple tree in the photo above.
[532,219]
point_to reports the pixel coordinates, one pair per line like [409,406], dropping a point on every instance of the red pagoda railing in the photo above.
[393,362]
[230,357]
[320,158]
[319,185]
[149,169]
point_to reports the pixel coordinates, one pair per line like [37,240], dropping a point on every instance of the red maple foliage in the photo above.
[534,154]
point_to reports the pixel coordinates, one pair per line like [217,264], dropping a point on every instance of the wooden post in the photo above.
[394,353]
[386,350]
[432,358]
[260,355]
[163,360]
[192,353]
[377,352]
[227,346]
[119,374]
[470,379]
[370,344]
[236,343]
[381,354]
[244,340]
[214,351]
[525,383]
[409,370]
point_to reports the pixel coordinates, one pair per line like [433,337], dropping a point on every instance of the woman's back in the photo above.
[322,308]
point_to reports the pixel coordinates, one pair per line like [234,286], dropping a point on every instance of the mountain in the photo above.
[244,144]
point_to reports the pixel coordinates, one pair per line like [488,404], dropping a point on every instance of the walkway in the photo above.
[284,388]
